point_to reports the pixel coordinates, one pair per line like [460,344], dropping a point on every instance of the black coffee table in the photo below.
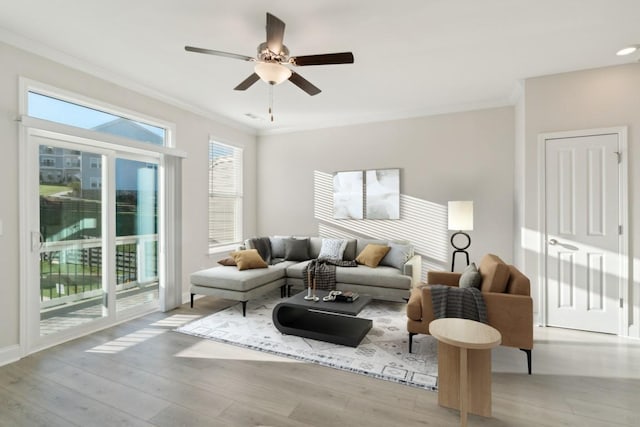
[330,321]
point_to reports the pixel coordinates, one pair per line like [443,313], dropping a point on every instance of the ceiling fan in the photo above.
[272,57]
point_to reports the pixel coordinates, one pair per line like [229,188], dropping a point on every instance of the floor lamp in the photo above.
[460,219]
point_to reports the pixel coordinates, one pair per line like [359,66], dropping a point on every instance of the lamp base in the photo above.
[459,249]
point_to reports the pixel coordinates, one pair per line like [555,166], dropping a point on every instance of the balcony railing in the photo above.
[71,270]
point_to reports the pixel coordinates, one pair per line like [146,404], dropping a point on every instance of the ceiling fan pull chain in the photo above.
[271,101]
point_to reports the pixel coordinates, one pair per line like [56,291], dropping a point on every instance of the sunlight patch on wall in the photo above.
[422,223]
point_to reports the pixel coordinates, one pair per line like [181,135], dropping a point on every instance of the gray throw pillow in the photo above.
[296,249]
[470,277]
[277,246]
[397,256]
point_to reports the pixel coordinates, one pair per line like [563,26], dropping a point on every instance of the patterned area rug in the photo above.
[383,353]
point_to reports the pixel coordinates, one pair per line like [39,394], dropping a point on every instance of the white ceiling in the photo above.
[412,57]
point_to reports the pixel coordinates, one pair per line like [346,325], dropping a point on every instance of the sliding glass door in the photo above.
[93,226]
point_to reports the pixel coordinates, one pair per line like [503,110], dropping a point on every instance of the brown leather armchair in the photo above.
[506,293]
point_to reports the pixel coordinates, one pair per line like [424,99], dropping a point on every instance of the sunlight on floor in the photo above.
[126,341]
[176,320]
[207,349]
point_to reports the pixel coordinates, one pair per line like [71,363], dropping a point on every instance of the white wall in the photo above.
[462,156]
[192,135]
[598,98]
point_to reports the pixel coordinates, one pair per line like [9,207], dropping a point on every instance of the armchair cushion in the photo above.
[518,283]
[495,274]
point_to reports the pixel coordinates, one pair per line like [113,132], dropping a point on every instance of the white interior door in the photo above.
[582,232]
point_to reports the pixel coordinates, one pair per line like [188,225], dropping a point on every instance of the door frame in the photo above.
[623,220]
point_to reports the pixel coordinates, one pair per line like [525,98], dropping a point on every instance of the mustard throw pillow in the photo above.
[372,254]
[248,259]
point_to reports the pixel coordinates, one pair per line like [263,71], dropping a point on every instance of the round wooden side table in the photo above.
[464,365]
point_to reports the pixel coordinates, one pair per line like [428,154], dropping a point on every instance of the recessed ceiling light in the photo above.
[627,50]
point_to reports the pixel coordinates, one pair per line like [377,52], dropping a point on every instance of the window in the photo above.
[225,194]
[95,162]
[69,113]
[95,182]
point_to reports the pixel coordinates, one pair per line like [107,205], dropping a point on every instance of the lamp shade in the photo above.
[272,72]
[461,215]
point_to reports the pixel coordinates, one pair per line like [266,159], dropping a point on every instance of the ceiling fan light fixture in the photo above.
[272,72]
[627,50]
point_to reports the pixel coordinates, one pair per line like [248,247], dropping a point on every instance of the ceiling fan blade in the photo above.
[303,84]
[275,33]
[218,53]
[246,83]
[324,59]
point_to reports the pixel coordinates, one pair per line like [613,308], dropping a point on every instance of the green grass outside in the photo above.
[47,190]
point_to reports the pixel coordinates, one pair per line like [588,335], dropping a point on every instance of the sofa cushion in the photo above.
[332,248]
[470,277]
[398,255]
[495,274]
[518,283]
[381,276]
[236,280]
[372,254]
[296,269]
[296,249]
[248,259]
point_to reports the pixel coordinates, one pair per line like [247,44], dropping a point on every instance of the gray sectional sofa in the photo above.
[392,279]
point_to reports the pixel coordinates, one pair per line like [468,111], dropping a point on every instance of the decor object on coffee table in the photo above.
[460,219]
[464,365]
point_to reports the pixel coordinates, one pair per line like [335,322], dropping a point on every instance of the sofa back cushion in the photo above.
[495,274]
[518,283]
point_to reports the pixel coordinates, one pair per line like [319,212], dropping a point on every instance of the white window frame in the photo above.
[238,195]
[169,169]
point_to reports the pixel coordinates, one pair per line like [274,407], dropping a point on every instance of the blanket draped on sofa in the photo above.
[323,272]
[463,303]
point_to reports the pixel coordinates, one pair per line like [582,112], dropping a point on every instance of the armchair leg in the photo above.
[528,352]
[411,335]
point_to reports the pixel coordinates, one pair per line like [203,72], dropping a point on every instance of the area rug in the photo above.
[382,354]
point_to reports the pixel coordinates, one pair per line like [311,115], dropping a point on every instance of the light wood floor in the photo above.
[141,373]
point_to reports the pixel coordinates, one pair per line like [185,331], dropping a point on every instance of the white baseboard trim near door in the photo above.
[9,354]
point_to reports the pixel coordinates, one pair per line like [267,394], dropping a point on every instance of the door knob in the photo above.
[553,242]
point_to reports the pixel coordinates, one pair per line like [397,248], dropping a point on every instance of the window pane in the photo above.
[59,111]
[225,194]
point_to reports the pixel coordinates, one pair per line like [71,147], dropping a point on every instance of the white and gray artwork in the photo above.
[383,194]
[348,195]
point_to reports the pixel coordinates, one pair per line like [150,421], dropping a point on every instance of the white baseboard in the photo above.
[9,354]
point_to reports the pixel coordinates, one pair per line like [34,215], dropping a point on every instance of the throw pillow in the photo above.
[398,255]
[277,246]
[332,248]
[470,277]
[248,259]
[229,261]
[296,249]
[372,254]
